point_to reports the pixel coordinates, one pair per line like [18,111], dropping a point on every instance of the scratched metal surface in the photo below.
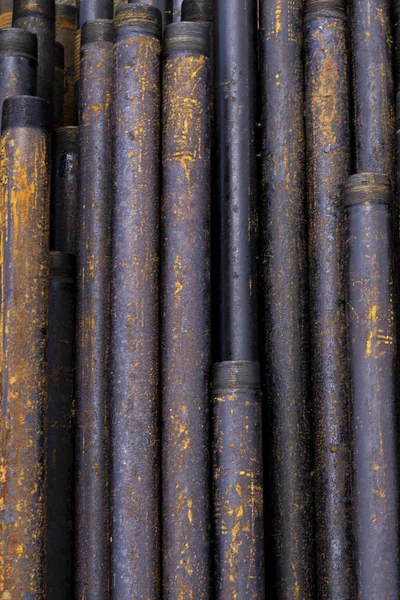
[329,163]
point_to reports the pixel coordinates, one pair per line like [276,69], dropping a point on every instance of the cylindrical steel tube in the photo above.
[25,202]
[235,92]
[38,17]
[285,367]
[64,223]
[135,450]
[197,11]
[60,444]
[93,306]
[372,331]
[176,10]
[87,10]
[6,10]
[373,86]
[238,481]
[164,6]
[65,34]
[18,63]
[329,164]
[185,316]
[58,98]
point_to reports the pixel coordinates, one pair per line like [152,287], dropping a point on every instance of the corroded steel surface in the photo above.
[374,111]
[65,34]
[176,10]
[18,63]
[64,225]
[135,398]
[164,6]
[285,367]
[25,202]
[238,481]
[185,317]
[329,163]
[93,303]
[38,17]
[372,330]
[60,444]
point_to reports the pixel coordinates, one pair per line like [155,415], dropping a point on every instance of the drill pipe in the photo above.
[235,90]
[65,34]
[25,202]
[18,63]
[285,362]
[135,450]
[185,320]
[238,481]
[329,162]
[93,305]
[38,17]
[372,334]
[64,224]
[60,444]
[374,101]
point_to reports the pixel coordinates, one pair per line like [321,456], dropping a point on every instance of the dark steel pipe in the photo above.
[235,92]
[285,367]
[329,164]
[25,196]
[18,63]
[164,6]
[372,331]
[374,101]
[38,17]
[197,11]
[238,481]
[135,452]
[6,10]
[58,99]
[93,306]
[87,10]
[64,224]
[185,321]
[65,34]
[176,10]
[60,444]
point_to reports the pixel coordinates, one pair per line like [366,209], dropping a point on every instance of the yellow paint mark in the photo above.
[190,514]
[20,549]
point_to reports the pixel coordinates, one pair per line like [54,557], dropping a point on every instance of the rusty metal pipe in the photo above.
[185,317]
[372,333]
[38,17]
[374,101]
[6,10]
[135,395]
[58,99]
[60,441]
[25,205]
[329,165]
[285,335]
[18,63]
[164,6]
[93,305]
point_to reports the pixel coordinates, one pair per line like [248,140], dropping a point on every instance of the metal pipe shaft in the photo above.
[135,395]
[6,10]
[65,34]
[18,63]
[185,317]
[58,99]
[64,224]
[93,306]
[372,332]
[329,164]
[285,335]
[25,202]
[374,101]
[38,17]
[60,443]
[164,6]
